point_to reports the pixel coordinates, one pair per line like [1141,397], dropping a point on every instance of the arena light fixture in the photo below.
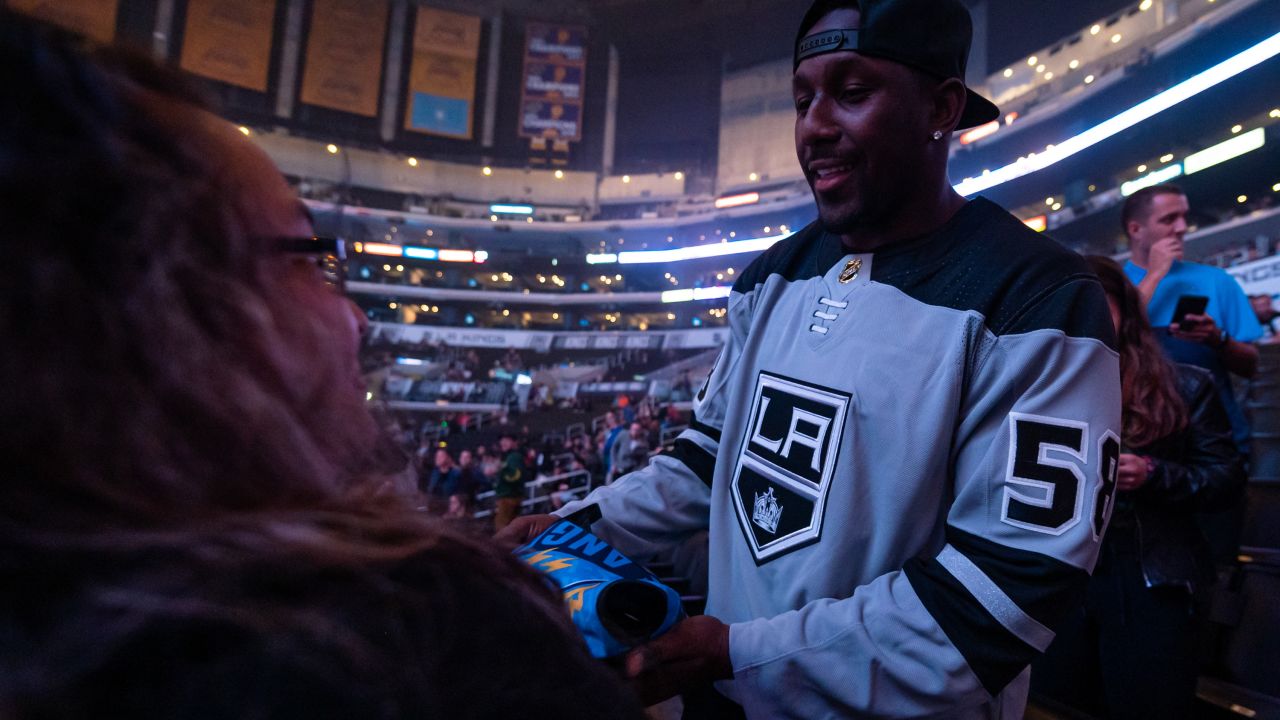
[383,249]
[503,209]
[730,201]
[1163,175]
[1144,110]
[1224,151]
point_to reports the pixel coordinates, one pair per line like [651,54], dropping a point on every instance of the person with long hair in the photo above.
[191,519]
[1130,651]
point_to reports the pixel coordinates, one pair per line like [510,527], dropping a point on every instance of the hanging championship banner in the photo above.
[442,76]
[95,19]
[554,81]
[229,41]
[344,55]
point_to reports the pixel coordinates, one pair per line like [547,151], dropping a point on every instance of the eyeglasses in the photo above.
[329,253]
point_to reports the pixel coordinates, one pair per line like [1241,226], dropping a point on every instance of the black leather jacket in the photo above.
[1196,469]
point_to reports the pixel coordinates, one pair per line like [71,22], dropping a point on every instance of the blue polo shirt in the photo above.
[1229,308]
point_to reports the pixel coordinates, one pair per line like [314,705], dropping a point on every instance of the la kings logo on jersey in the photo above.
[784,469]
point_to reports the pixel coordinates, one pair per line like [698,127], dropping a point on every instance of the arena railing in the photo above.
[583,485]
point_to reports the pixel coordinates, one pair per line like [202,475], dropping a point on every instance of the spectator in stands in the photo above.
[185,528]
[422,458]
[630,452]
[1265,310]
[613,431]
[1220,340]
[470,482]
[509,488]
[445,476]
[1130,652]
[561,496]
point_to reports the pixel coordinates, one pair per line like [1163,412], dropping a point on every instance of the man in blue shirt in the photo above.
[1220,340]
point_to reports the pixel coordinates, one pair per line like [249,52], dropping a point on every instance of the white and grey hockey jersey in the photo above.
[905,459]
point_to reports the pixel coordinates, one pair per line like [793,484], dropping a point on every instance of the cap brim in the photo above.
[977,111]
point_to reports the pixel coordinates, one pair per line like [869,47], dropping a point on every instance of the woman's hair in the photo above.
[147,334]
[293,615]
[178,531]
[1152,406]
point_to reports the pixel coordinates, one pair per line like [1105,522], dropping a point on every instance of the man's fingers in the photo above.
[667,681]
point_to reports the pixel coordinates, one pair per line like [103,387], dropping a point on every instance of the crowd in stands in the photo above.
[456,468]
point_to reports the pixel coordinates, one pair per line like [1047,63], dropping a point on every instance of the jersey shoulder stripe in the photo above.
[982,260]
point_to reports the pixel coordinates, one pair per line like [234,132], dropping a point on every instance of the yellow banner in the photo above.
[95,19]
[442,77]
[229,41]
[344,55]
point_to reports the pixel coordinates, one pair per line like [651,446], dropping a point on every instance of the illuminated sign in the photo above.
[511,209]
[729,201]
[980,132]
[1164,174]
[421,253]
[383,249]
[687,295]
[1224,151]
[457,256]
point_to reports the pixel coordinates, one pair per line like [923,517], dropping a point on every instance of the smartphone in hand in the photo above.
[1189,305]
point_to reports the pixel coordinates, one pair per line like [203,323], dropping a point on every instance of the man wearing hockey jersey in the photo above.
[907,449]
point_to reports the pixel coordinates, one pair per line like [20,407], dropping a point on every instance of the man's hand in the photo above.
[692,655]
[1132,473]
[523,529]
[1163,253]
[1197,329]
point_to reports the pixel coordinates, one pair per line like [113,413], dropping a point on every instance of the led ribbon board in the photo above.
[1224,151]
[1148,108]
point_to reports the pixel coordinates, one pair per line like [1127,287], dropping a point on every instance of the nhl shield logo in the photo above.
[784,469]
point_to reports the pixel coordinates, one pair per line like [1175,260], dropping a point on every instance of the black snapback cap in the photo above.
[932,36]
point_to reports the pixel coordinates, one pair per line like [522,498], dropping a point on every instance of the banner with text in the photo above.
[554,81]
[1260,277]
[229,41]
[344,56]
[94,19]
[442,76]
